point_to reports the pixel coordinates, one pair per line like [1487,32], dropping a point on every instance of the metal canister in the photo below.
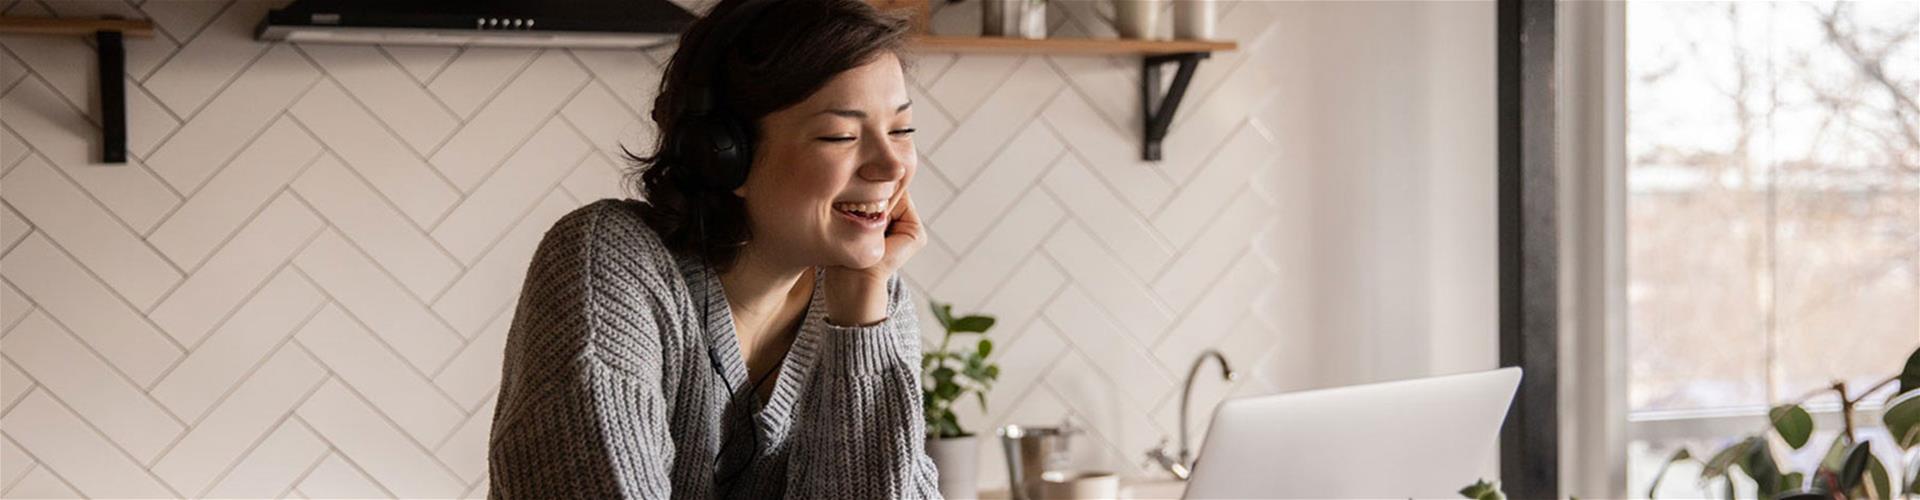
[1032,451]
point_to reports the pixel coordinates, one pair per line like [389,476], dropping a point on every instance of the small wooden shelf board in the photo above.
[1157,109]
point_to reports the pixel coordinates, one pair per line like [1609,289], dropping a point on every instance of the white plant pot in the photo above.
[956,459]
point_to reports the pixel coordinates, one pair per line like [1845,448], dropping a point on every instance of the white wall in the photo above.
[313,252]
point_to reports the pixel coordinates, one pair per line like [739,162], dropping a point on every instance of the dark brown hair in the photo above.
[787,52]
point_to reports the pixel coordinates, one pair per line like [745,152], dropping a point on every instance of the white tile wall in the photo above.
[300,283]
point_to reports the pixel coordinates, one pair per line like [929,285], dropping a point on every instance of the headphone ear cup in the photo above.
[732,152]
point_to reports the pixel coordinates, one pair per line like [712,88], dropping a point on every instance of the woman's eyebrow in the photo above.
[855,113]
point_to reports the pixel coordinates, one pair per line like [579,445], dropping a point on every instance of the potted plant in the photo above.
[949,373]
[1849,468]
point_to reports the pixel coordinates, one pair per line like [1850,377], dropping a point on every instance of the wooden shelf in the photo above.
[1157,107]
[1080,46]
[80,27]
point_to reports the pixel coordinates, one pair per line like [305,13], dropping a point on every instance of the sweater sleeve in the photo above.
[861,429]
[582,359]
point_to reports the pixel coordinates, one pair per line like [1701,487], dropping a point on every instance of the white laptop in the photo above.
[1421,438]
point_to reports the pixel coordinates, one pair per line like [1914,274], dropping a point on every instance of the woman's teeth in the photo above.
[866,209]
[863,206]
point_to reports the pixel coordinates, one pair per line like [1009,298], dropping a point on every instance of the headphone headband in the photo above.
[709,61]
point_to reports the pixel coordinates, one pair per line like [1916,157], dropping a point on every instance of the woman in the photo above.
[742,333]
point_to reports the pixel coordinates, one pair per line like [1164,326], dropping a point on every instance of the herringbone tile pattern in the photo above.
[300,283]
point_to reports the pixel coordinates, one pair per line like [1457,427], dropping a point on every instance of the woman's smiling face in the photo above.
[819,164]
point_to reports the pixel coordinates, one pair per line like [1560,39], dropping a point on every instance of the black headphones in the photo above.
[716,143]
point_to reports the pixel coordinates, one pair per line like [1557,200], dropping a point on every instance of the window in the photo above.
[1773,215]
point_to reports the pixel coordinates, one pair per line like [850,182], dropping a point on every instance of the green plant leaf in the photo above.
[1855,467]
[949,425]
[983,400]
[1836,454]
[1902,417]
[993,372]
[975,324]
[1677,457]
[1824,481]
[1762,468]
[942,312]
[1878,479]
[1910,376]
[1483,490]
[1791,483]
[984,348]
[1793,423]
[1725,458]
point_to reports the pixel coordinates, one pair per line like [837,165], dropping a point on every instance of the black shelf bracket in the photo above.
[1157,109]
[113,97]
[109,34]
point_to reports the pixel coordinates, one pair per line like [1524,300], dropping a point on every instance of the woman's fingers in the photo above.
[905,235]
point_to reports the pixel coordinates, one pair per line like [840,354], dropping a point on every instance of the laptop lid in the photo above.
[1420,438]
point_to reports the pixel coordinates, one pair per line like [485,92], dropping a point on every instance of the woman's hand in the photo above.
[858,297]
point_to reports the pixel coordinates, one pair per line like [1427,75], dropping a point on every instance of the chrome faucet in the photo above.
[1182,465]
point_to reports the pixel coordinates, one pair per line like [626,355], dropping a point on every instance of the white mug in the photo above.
[1079,485]
[1137,19]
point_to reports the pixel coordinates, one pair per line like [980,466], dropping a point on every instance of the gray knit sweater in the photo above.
[623,378]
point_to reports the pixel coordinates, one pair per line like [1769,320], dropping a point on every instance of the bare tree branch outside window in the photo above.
[1773,219]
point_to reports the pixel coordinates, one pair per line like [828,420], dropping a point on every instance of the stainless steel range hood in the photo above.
[635,24]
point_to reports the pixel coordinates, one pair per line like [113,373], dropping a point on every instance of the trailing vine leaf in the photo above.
[1855,467]
[1910,376]
[1878,479]
[1793,423]
[1902,418]
[1718,465]
[1761,467]
[1836,453]
[1677,457]
[1825,481]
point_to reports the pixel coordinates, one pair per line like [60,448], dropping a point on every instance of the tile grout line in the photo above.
[256,366]
[510,153]
[465,119]
[327,448]
[180,351]
[391,132]
[37,463]
[279,422]
[103,437]
[226,240]
[388,273]
[391,422]
[371,332]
